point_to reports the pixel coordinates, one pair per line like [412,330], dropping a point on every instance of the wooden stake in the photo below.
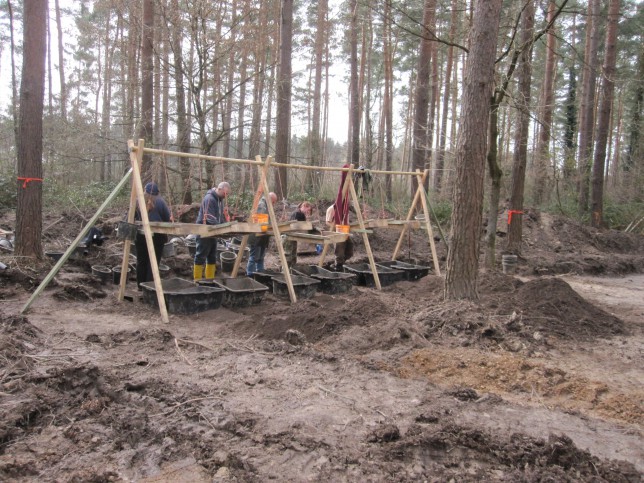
[412,208]
[278,237]
[365,237]
[428,225]
[138,185]
[52,273]
[240,255]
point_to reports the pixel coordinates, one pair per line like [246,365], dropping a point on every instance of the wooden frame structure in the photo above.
[292,229]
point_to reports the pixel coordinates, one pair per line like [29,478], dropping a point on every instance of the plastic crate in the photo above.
[241,292]
[330,282]
[412,272]
[386,275]
[184,297]
[303,286]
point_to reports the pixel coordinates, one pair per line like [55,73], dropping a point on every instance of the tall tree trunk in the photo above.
[463,254]
[542,161]
[14,82]
[354,98]
[282,129]
[107,100]
[147,85]
[32,91]
[61,64]
[387,110]
[442,138]
[183,129]
[419,150]
[519,162]
[570,130]
[588,104]
[606,101]
[320,44]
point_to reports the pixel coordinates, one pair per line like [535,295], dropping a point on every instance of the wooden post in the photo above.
[240,255]
[263,171]
[136,156]
[428,225]
[409,215]
[75,243]
[325,249]
[365,237]
[278,238]
[138,186]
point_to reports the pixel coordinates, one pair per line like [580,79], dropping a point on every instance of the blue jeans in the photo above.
[206,251]
[255,259]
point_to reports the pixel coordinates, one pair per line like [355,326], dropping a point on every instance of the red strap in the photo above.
[27,180]
[513,212]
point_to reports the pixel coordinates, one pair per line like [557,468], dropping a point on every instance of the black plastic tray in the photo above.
[303,286]
[412,272]
[183,296]
[330,282]
[364,275]
[265,277]
[241,292]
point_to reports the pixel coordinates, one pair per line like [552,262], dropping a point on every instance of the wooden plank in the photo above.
[365,237]
[138,185]
[412,208]
[240,255]
[428,225]
[232,228]
[278,239]
[52,273]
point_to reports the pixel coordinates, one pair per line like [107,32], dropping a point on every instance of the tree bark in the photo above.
[282,129]
[463,254]
[603,122]
[419,150]
[588,104]
[442,138]
[30,130]
[519,162]
[354,100]
[61,65]
[147,86]
[542,161]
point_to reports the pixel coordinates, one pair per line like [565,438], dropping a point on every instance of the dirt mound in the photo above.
[450,450]
[518,315]
[551,306]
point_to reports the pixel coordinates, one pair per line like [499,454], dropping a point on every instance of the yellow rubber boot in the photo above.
[197,272]
[210,270]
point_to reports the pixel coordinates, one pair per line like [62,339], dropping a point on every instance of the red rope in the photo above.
[27,180]
[513,212]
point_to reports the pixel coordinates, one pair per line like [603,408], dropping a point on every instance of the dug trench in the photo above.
[540,380]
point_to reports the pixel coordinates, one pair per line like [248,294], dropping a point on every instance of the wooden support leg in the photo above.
[428,225]
[240,255]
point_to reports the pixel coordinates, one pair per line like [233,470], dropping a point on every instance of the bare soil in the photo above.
[540,380]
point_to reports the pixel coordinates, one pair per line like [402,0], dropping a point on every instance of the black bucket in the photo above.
[227,261]
[116,274]
[102,272]
[509,263]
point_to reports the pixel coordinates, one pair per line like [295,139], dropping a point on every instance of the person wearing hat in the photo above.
[157,211]
[211,212]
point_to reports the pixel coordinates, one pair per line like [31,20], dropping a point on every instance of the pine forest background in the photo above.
[391,71]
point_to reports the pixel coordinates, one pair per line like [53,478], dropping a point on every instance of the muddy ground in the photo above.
[541,380]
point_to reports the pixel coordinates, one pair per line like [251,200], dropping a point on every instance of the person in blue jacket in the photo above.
[211,212]
[259,244]
[157,211]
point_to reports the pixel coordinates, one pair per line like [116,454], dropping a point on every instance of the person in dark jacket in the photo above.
[211,212]
[302,212]
[157,211]
[259,244]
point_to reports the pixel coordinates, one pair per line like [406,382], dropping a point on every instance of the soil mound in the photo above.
[551,306]
[516,457]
